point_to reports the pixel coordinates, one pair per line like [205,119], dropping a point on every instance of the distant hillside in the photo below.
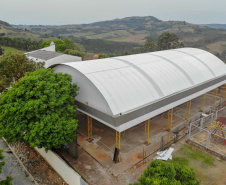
[9,31]
[135,30]
[218,26]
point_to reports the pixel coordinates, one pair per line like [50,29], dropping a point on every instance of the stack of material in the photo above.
[165,155]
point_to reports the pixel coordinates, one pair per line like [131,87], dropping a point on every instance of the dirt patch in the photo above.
[36,165]
[216,143]
[136,38]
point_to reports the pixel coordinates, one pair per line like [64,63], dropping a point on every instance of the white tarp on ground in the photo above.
[165,155]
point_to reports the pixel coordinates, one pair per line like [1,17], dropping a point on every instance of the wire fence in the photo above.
[203,133]
[198,124]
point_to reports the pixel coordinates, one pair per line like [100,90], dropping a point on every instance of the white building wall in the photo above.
[88,93]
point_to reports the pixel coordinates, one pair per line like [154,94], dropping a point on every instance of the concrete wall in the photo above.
[66,172]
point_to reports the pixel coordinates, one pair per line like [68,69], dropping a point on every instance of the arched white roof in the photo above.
[124,84]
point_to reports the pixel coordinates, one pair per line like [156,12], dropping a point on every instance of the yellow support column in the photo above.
[223,92]
[223,89]
[147,129]
[215,96]
[118,144]
[90,128]
[202,105]
[170,120]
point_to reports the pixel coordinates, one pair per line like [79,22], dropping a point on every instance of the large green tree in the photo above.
[102,55]
[164,173]
[168,41]
[149,46]
[8,178]
[74,52]
[71,45]
[40,110]
[165,41]
[13,66]
[61,45]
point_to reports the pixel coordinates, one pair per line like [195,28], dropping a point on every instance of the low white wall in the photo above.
[66,172]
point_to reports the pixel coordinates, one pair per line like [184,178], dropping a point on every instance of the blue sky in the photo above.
[58,12]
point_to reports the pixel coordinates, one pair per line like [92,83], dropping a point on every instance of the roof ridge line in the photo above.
[158,90]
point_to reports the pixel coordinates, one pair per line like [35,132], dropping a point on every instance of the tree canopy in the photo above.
[71,45]
[20,43]
[168,41]
[1,50]
[40,110]
[165,41]
[61,45]
[102,55]
[149,46]
[8,178]
[13,66]
[74,52]
[164,173]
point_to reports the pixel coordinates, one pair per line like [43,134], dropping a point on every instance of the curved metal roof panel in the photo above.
[131,82]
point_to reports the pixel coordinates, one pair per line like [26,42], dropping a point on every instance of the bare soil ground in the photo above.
[95,158]
[42,172]
[216,143]
[136,38]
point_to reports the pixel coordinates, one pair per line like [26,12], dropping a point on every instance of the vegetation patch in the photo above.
[12,50]
[188,153]
[203,164]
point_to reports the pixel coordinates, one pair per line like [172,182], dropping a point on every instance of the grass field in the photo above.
[12,50]
[204,165]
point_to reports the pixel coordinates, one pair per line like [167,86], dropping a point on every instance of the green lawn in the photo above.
[12,50]
[203,164]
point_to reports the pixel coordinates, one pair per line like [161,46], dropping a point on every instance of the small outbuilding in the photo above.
[50,57]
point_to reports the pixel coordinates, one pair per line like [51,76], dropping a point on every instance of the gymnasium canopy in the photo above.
[124,91]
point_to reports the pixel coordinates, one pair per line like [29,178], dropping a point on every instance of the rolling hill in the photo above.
[8,30]
[122,35]
[218,26]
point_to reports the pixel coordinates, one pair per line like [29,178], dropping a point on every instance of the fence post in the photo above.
[208,139]
[201,123]
[216,114]
[189,130]
[162,143]
[211,119]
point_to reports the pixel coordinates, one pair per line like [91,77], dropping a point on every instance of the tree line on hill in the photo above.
[20,43]
[164,42]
